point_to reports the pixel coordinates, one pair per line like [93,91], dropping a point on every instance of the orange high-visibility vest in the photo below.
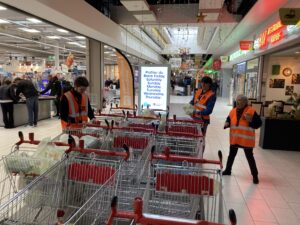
[80,115]
[200,102]
[241,133]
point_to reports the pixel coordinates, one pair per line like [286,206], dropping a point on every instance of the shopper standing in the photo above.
[55,87]
[75,105]
[27,88]
[204,101]
[7,104]
[242,121]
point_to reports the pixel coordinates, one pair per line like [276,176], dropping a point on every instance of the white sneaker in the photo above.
[29,126]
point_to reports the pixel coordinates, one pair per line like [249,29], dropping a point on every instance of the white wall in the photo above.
[79,16]
[279,93]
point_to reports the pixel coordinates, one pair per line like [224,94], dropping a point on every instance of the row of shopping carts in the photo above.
[161,173]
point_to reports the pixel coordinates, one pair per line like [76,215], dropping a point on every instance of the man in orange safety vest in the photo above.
[242,121]
[75,106]
[204,101]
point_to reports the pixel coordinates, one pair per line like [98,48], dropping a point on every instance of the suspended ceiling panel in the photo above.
[211,4]
[135,5]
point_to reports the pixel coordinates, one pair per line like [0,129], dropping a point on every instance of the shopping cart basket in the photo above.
[189,191]
[22,165]
[135,168]
[180,143]
[138,217]
[184,125]
[58,194]
[92,134]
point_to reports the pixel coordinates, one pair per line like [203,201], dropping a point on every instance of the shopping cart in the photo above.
[134,170]
[136,216]
[92,134]
[180,143]
[22,165]
[71,185]
[188,191]
[184,125]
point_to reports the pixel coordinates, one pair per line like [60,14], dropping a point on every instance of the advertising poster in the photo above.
[154,87]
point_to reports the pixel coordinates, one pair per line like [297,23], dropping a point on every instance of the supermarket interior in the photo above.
[150,112]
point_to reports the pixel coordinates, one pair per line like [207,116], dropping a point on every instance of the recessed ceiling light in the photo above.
[3,21]
[29,30]
[297,52]
[53,37]
[2,8]
[62,30]
[33,20]
[80,37]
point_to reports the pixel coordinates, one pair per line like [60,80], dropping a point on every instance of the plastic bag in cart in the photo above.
[189,109]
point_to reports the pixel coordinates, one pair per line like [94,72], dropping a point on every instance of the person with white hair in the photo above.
[242,121]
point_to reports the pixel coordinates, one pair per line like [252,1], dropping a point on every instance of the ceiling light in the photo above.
[62,30]
[53,37]
[3,21]
[33,20]
[29,30]
[80,37]
[2,8]
[297,52]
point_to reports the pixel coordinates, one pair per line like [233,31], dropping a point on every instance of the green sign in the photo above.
[51,58]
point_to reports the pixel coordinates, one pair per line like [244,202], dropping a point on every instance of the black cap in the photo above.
[206,80]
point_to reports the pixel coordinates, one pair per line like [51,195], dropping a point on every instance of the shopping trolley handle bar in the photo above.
[180,134]
[166,155]
[175,119]
[110,115]
[32,141]
[125,154]
[144,218]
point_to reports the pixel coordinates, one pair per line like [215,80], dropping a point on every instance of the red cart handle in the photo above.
[32,141]
[166,155]
[140,218]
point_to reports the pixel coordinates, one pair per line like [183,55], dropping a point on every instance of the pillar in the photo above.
[95,65]
[56,57]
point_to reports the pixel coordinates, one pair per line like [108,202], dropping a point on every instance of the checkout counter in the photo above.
[21,115]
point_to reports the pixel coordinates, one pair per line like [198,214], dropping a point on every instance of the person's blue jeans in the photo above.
[32,104]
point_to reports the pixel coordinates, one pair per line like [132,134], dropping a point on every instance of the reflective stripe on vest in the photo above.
[200,102]
[240,131]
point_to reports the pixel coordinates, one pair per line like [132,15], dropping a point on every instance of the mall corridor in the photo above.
[274,201]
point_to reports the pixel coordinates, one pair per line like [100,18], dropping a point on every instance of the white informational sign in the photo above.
[154,86]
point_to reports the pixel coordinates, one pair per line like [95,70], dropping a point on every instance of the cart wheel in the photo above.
[114,202]
[232,217]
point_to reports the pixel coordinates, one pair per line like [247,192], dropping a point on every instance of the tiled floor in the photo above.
[275,201]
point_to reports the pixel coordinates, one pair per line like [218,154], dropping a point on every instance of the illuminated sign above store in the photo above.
[273,34]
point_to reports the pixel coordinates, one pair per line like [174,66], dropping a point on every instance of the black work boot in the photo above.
[226,172]
[255,179]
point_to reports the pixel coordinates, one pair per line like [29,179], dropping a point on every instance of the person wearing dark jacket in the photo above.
[7,105]
[242,121]
[27,88]
[204,100]
[75,106]
[55,90]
